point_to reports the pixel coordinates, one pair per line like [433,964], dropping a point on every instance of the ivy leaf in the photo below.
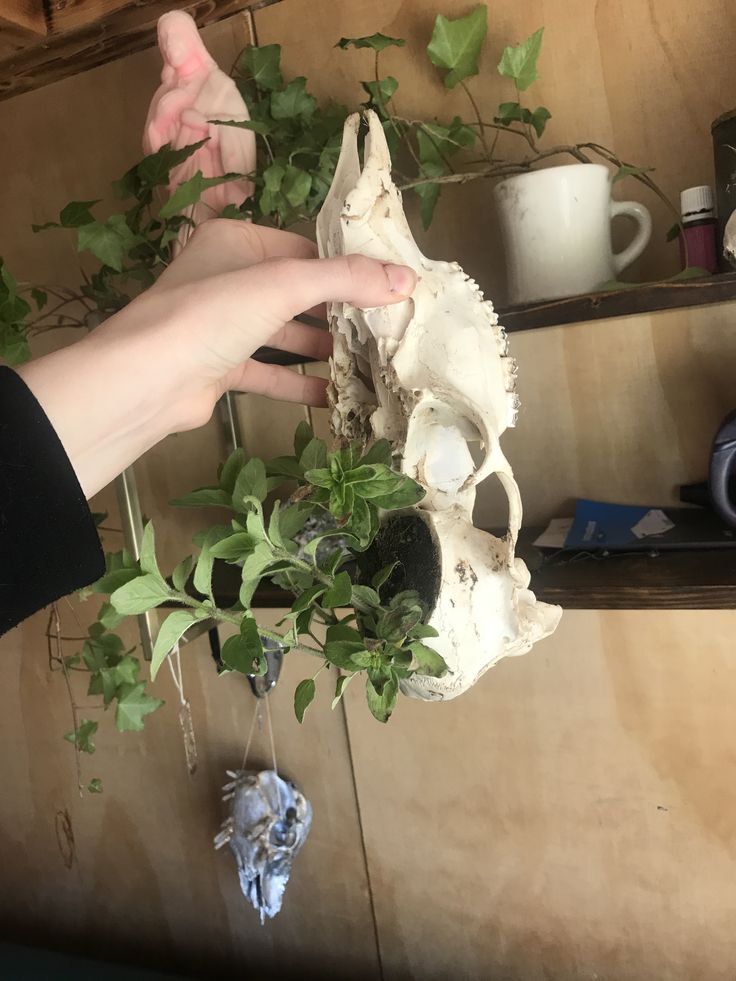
[147,558]
[133,705]
[107,241]
[628,170]
[378,42]
[82,738]
[456,44]
[303,697]
[203,498]
[540,118]
[108,617]
[339,592]
[381,92]
[140,595]
[190,191]
[429,194]
[170,633]
[428,660]
[294,102]
[381,703]
[14,347]
[520,61]
[261,63]
[342,683]
[182,572]
[77,213]
[126,672]
[95,786]
[40,298]
[296,185]
[153,170]
[259,126]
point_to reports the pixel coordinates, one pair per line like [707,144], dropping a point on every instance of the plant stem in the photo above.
[476,110]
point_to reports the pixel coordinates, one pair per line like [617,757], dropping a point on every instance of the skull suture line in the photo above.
[431,375]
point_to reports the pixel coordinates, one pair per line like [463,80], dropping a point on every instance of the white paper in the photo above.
[654,522]
[555,534]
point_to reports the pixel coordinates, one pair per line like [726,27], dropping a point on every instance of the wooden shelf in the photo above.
[687,579]
[621,303]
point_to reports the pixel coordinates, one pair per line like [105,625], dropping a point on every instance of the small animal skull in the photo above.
[433,376]
[268,824]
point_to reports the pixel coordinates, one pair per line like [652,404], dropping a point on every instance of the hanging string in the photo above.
[185,710]
[250,734]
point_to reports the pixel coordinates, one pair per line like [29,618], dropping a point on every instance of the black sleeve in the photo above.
[48,541]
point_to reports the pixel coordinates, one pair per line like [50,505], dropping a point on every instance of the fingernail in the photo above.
[401,279]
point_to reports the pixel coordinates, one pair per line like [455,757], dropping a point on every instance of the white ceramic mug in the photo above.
[556,227]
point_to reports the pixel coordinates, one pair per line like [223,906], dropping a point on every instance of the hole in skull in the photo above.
[491,504]
[408,540]
[363,371]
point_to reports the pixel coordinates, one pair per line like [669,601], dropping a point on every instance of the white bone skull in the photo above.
[432,375]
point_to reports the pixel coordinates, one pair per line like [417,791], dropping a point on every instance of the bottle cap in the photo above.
[697,203]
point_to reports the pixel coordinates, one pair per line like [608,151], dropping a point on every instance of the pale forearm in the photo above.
[100,398]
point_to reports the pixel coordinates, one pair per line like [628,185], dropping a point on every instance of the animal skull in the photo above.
[432,375]
[268,824]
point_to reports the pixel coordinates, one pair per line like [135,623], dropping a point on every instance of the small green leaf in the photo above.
[314,456]
[140,595]
[133,705]
[628,170]
[307,598]
[407,495]
[261,63]
[205,497]
[673,233]
[339,593]
[77,213]
[82,738]
[319,477]
[520,61]
[381,703]
[108,617]
[190,191]
[126,672]
[302,437]
[147,558]
[423,630]
[540,118]
[347,654]
[112,581]
[169,634]
[251,482]
[428,661]
[234,548]
[303,696]
[95,786]
[342,683]
[182,573]
[456,44]
[378,42]
[242,651]
[154,170]
[365,596]
[293,102]
[383,575]
[380,452]
[202,580]
[230,470]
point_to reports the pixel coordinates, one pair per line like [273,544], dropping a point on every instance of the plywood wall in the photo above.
[573,815]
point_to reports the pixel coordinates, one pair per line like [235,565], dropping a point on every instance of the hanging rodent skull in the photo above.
[432,376]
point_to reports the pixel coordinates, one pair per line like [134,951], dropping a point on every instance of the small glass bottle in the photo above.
[699,223]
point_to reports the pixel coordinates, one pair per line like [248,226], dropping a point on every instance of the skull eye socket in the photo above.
[438,448]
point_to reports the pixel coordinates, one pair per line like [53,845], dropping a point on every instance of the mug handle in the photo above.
[644,220]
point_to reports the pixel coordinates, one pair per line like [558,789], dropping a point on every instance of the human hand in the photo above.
[160,365]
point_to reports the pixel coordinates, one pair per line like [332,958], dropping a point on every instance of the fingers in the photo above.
[277,382]
[313,342]
[223,245]
[283,288]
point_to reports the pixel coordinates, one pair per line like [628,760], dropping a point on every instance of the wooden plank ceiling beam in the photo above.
[73,36]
